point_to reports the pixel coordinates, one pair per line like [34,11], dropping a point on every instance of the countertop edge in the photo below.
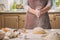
[25,12]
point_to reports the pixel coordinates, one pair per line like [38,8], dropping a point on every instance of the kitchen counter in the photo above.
[24,11]
[18,11]
[12,12]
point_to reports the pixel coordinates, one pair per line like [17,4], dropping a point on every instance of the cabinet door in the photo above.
[51,17]
[0,20]
[21,20]
[57,21]
[10,21]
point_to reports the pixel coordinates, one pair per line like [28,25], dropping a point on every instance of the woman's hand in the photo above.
[37,12]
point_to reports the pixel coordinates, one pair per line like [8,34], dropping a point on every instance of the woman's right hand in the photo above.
[37,12]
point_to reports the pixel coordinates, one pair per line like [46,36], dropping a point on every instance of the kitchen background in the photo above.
[14,5]
[12,13]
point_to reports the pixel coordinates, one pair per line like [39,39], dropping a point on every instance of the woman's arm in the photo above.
[27,7]
[48,6]
[31,10]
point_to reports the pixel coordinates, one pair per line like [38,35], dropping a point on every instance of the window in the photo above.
[57,3]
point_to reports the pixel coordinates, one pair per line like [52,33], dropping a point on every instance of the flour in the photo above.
[53,36]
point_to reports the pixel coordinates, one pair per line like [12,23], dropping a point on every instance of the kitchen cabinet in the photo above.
[17,20]
[12,20]
[0,20]
[51,17]
[21,20]
[55,20]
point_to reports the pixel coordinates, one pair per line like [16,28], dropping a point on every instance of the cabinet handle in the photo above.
[23,20]
[54,18]
[0,14]
[51,20]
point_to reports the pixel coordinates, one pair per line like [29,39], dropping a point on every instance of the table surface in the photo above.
[36,37]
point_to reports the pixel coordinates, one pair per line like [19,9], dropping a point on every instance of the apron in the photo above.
[31,19]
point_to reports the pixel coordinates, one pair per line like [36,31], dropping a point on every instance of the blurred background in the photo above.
[18,4]
[13,13]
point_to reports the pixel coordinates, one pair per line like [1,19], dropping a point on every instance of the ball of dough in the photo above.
[38,30]
[5,29]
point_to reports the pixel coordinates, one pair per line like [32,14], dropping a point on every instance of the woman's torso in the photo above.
[35,3]
[31,19]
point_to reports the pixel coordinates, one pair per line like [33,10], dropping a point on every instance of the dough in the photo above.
[38,30]
[2,34]
[6,29]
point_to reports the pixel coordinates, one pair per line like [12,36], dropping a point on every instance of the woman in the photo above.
[38,9]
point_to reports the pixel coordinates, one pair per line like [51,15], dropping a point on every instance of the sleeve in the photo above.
[25,4]
[49,3]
